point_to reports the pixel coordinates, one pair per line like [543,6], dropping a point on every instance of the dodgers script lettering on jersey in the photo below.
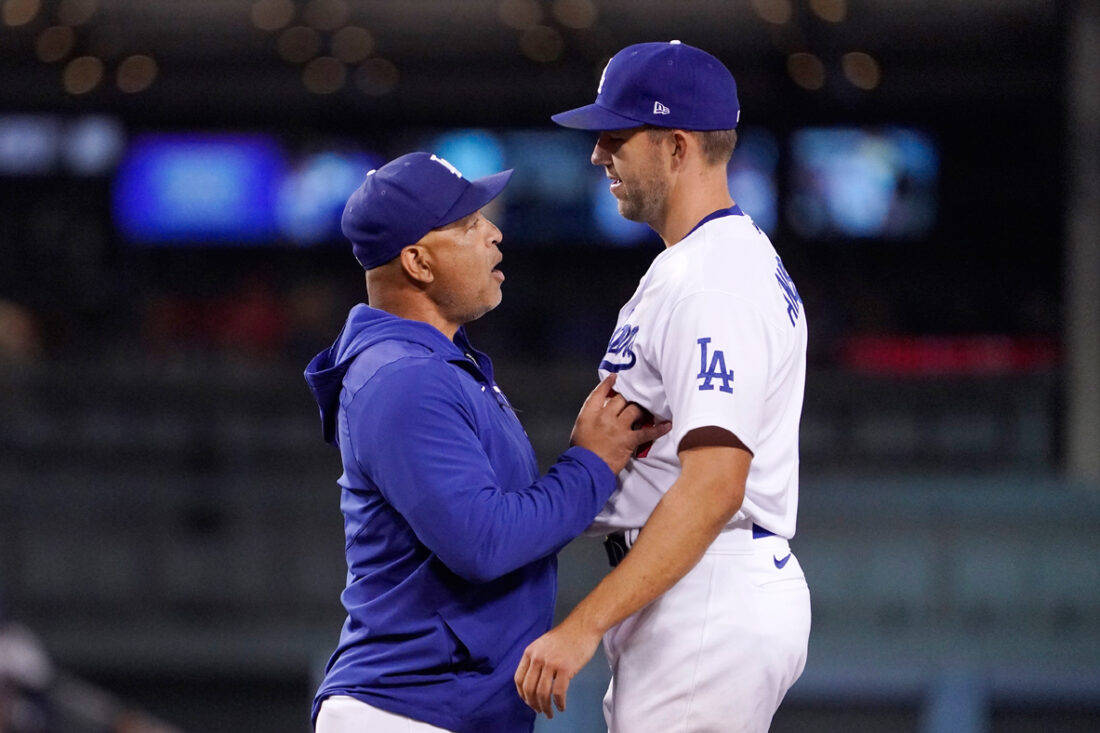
[715,335]
[620,356]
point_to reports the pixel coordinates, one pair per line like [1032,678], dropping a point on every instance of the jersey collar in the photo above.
[734,210]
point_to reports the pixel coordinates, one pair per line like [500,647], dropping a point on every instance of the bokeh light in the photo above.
[541,43]
[577,14]
[54,43]
[298,44]
[773,11]
[833,11]
[28,143]
[271,15]
[82,75]
[861,70]
[94,144]
[19,12]
[806,70]
[136,73]
[520,14]
[352,44]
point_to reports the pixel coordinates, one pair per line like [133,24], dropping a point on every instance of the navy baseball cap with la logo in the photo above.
[663,84]
[407,198]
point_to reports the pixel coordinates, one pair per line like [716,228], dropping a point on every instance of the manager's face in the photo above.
[632,160]
[465,256]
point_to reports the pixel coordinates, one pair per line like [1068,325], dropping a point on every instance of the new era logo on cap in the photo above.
[660,109]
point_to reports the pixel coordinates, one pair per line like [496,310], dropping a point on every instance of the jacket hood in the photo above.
[364,328]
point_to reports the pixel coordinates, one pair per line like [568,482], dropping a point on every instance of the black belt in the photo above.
[616,547]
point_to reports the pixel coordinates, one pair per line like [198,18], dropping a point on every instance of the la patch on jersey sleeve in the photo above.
[714,365]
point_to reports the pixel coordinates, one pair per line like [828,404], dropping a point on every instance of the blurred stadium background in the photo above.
[171,175]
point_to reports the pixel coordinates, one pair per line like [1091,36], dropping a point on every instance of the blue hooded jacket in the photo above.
[450,532]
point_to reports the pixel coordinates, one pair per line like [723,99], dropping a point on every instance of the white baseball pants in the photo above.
[343,714]
[719,650]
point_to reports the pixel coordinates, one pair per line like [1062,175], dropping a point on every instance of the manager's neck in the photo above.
[414,306]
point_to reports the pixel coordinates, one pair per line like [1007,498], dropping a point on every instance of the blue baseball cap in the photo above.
[407,198]
[662,84]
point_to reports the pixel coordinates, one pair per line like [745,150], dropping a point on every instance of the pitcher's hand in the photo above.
[550,662]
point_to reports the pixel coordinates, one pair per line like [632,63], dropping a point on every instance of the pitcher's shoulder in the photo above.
[727,255]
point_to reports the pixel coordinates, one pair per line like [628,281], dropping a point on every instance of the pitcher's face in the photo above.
[631,159]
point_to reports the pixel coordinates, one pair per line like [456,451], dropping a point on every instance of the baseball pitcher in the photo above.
[705,617]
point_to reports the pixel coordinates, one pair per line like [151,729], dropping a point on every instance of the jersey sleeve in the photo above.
[415,436]
[713,359]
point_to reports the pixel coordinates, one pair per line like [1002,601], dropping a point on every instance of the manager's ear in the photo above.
[416,261]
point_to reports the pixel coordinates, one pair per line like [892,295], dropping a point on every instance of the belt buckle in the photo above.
[615,546]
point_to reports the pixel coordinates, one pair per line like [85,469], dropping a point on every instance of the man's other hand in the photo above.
[550,662]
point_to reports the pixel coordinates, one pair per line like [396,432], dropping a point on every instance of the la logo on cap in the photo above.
[447,164]
[660,109]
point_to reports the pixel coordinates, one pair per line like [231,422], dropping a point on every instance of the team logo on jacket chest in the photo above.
[620,352]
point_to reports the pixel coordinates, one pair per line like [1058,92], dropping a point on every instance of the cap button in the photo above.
[674,43]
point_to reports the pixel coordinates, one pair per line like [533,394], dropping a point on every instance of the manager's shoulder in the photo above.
[396,366]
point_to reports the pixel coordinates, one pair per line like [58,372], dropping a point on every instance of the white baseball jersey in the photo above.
[715,335]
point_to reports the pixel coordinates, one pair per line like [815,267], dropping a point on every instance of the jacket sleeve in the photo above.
[413,433]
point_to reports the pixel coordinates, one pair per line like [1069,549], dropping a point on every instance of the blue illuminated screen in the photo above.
[199,188]
[226,189]
[311,197]
[855,182]
[751,175]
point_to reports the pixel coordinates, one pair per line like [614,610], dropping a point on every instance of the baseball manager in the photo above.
[451,533]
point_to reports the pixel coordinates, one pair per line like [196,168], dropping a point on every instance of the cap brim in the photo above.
[477,195]
[594,117]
